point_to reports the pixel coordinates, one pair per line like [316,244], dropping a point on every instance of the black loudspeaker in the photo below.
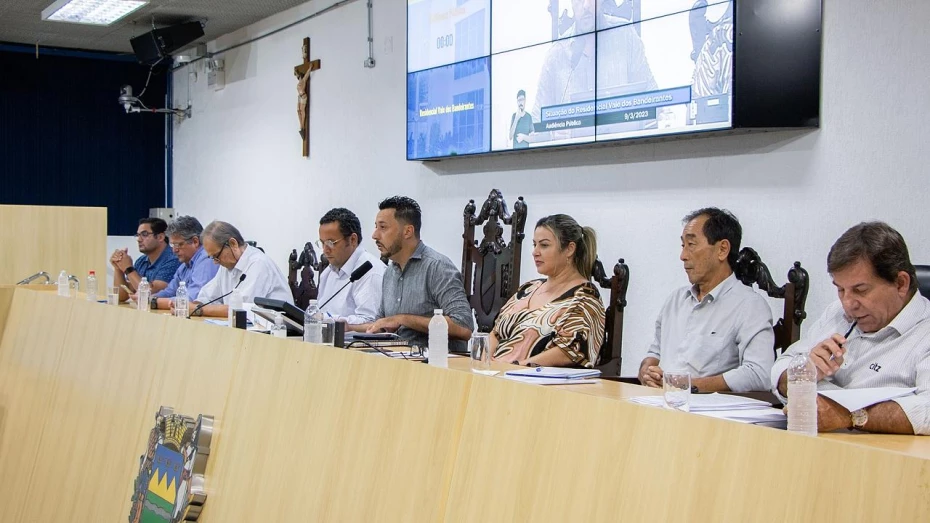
[339,334]
[152,47]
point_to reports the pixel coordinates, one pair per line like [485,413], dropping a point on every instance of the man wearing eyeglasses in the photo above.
[225,246]
[340,236]
[195,269]
[157,263]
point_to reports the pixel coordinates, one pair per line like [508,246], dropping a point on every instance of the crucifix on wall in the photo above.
[302,72]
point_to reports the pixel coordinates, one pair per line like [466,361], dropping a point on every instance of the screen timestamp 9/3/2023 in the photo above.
[632,116]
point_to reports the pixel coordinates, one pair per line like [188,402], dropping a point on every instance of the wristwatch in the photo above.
[859,418]
[154,303]
[129,270]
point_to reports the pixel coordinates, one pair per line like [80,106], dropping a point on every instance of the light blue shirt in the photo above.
[195,274]
[729,332]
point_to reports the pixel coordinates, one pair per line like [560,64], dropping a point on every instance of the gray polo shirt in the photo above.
[429,281]
[729,332]
[897,355]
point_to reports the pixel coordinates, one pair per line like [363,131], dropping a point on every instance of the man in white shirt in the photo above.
[225,245]
[717,329]
[888,340]
[340,235]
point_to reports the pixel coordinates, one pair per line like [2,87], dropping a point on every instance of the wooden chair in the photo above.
[491,268]
[750,270]
[611,354]
[306,263]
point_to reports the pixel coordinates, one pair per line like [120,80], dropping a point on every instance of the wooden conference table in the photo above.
[314,433]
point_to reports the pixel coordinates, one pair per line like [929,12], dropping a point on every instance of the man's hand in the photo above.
[821,354]
[124,261]
[651,376]
[389,324]
[521,137]
[117,256]
[831,415]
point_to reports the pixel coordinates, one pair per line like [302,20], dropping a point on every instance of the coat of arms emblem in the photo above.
[170,484]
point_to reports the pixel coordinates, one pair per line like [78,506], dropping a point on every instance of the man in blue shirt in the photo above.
[195,269]
[157,262]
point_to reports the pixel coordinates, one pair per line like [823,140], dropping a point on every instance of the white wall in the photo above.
[238,158]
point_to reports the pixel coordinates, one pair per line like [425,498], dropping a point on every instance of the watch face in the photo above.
[859,418]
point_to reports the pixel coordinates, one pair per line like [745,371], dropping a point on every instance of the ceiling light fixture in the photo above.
[93,12]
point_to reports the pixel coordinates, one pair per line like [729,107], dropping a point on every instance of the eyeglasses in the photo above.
[327,243]
[144,234]
[214,257]
[177,246]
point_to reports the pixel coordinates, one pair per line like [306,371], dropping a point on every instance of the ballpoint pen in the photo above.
[851,327]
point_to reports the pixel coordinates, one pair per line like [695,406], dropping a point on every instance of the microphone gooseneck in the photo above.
[214,300]
[356,275]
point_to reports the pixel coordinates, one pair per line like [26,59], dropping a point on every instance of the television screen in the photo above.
[560,72]
[442,32]
[671,72]
[544,95]
[447,110]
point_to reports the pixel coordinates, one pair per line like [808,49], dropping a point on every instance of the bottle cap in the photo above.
[437,311]
[92,273]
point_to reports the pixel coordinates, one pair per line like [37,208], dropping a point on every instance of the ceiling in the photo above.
[21,22]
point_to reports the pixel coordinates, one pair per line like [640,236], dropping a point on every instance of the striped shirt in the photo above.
[728,333]
[897,355]
[428,281]
[572,323]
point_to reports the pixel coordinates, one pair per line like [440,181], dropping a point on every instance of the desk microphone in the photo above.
[214,300]
[355,276]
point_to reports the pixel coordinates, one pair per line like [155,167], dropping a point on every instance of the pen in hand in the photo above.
[851,327]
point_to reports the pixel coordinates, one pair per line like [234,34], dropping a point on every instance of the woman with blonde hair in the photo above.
[558,320]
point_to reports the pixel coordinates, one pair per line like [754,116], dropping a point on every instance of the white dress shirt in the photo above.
[360,301]
[897,355]
[263,279]
[727,333]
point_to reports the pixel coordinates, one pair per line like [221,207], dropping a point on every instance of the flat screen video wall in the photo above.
[497,75]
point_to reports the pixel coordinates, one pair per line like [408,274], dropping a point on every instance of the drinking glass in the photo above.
[112,295]
[479,348]
[677,387]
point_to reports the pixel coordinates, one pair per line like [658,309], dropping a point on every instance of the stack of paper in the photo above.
[553,375]
[709,402]
[725,406]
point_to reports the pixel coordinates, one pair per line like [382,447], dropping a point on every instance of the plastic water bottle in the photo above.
[438,340]
[181,302]
[234,304]
[64,287]
[313,323]
[144,293]
[278,330]
[802,395]
[92,287]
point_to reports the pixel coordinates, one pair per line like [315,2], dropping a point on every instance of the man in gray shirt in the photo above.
[418,279]
[717,329]
[888,340]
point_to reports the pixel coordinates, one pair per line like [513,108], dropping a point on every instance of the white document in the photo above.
[555,373]
[855,399]
[548,381]
[768,415]
[709,402]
